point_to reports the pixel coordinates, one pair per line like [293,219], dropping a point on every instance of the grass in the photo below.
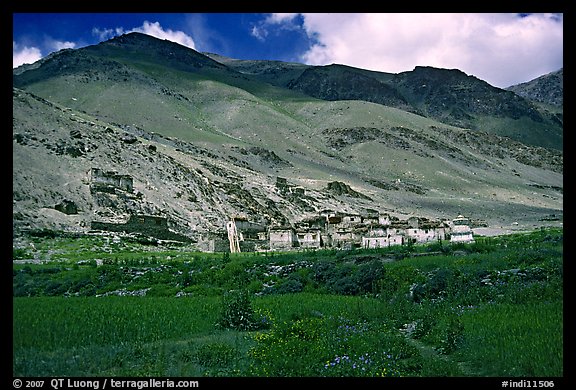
[501,339]
[495,311]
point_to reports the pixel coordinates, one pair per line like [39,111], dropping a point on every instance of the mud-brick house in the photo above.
[381,236]
[461,231]
[351,220]
[249,230]
[281,237]
[384,219]
[314,225]
[214,242]
[314,222]
[339,220]
[422,230]
[345,237]
[287,238]
[340,227]
[309,238]
[382,241]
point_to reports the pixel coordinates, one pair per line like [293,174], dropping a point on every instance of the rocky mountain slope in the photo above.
[199,141]
[547,89]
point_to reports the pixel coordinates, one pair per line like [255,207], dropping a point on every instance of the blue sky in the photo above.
[503,49]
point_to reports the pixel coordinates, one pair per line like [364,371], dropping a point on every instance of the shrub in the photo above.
[323,270]
[367,275]
[292,284]
[437,285]
[20,253]
[237,312]
[396,281]
[448,334]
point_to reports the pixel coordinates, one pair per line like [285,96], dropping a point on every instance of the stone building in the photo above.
[382,241]
[344,231]
[214,242]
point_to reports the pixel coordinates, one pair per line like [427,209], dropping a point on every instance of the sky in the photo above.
[502,49]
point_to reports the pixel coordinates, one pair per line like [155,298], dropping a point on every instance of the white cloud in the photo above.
[24,55]
[283,20]
[59,45]
[280,18]
[154,29]
[29,54]
[502,49]
[259,33]
[107,33]
[150,28]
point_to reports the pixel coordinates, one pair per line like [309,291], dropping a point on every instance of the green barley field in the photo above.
[96,308]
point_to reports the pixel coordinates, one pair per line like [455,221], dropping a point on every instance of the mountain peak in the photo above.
[439,73]
[156,50]
[547,89]
[135,37]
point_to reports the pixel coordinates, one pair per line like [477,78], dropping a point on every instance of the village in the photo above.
[334,230]
[327,229]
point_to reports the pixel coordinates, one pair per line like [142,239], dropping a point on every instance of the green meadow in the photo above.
[101,307]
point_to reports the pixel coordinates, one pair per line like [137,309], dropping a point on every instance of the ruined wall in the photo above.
[149,225]
[109,181]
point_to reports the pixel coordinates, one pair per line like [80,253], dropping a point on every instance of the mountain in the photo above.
[138,125]
[547,89]
[447,95]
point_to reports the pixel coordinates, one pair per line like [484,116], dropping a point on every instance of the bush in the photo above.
[396,281]
[323,270]
[367,275]
[436,287]
[237,312]
[20,254]
[292,284]
[449,334]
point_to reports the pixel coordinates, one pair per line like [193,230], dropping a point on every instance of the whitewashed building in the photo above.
[421,230]
[382,242]
[281,238]
[461,231]
[309,238]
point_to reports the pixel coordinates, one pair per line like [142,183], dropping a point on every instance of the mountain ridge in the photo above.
[203,143]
